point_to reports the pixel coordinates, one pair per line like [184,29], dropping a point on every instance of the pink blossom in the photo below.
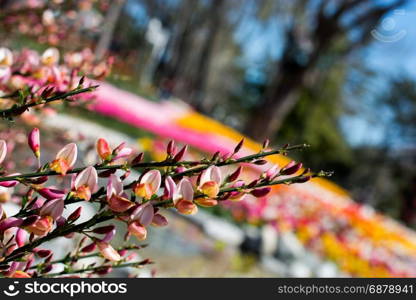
[143,214]
[65,159]
[183,199]
[6,57]
[210,181]
[86,183]
[34,141]
[50,57]
[149,184]
[53,208]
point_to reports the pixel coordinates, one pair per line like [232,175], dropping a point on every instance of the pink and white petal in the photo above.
[170,187]
[153,178]
[216,174]
[147,214]
[88,177]
[3,150]
[69,153]
[186,189]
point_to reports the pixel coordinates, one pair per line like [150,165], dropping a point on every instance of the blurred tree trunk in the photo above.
[4,4]
[408,209]
[109,25]
[215,20]
[183,39]
[296,65]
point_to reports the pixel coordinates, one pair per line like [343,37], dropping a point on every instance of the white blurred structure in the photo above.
[158,37]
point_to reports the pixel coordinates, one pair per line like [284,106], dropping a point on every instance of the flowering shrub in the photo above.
[31,81]
[171,183]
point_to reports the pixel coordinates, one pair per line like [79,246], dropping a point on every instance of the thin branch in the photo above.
[161,164]
[77,257]
[98,268]
[106,215]
[19,109]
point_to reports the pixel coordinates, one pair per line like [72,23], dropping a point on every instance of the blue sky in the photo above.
[393,51]
[388,59]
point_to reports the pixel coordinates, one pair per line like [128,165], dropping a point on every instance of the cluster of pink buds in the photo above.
[173,183]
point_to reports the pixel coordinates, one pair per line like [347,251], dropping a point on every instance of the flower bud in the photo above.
[291,168]
[137,159]
[9,223]
[258,193]
[89,248]
[47,269]
[159,220]
[51,194]
[253,183]
[21,236]
[34,141]
[60,221]
[43,253]
[9,184]
[104,270]
[234,176]
[29,263]
[106,173]
[180,154]
[75,215]
[104,150]
[239,146]
[180,170]
[303,179]
[170,148]
[103,229]
[38,180]
[216,156]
